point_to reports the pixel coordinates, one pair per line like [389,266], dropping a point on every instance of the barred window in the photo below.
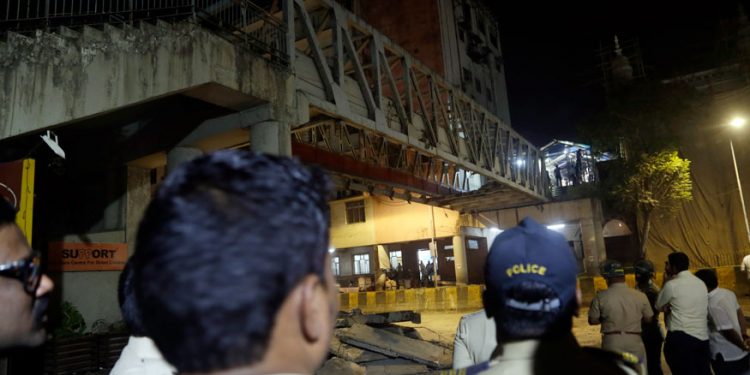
[361,264]
[336,266]
[355,211]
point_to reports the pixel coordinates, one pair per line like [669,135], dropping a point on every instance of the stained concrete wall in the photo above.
[55,78]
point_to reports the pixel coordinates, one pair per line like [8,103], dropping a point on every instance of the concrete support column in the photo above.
[593,245]
[271,137]
[138,196]
[181,154]
[459,257]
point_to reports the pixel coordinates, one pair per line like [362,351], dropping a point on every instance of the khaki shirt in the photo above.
[620,309]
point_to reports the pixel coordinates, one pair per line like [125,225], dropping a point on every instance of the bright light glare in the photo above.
[331,250]
[556,226]
[520,162]
[496,230]
[737,122]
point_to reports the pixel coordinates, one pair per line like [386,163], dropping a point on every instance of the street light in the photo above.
[739,122]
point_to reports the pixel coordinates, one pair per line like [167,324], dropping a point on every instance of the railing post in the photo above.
[288,21]
[46,15]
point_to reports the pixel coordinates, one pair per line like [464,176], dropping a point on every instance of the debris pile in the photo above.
[371,344]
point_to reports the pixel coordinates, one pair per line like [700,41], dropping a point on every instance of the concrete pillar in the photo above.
[459,257]
[138,196]
[181,154]
[271,137]
[593,247]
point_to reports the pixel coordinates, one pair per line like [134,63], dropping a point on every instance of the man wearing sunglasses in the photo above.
[24,290]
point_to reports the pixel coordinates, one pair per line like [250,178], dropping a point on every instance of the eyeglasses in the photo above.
[27,271]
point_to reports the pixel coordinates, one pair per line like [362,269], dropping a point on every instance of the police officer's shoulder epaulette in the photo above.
[621,358]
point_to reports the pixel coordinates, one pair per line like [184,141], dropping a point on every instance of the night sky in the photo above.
[550,53]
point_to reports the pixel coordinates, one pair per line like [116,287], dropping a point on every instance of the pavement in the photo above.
[441,326]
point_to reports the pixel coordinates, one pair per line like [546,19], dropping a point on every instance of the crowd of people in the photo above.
[218,284]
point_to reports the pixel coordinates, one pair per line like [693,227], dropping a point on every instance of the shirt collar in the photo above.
[523,349]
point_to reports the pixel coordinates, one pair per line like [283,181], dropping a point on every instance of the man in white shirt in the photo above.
[685,298]
[729,352]
[140,356]
[745,267]
[475,340]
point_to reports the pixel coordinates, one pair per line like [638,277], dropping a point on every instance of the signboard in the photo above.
[17,187]
[68,256]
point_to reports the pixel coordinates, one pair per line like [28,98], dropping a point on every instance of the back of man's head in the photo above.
[531,283]
[709,278]
[226,239]
[131,315]
[679,261]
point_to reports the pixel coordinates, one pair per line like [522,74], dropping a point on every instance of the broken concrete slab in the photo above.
[394,345]
[338,366]
[352,353]
[395,366]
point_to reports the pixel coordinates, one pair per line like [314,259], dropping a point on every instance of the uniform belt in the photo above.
[621,333]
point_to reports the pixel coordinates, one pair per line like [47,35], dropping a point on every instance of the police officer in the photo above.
[532,297]
[651,332]
[620,310]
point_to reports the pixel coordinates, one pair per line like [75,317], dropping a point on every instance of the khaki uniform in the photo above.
[620,310]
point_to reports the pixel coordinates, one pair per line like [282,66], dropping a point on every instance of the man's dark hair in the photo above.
[708,277]
[224,241]
[679,261]
[7,212]
[519,324]
[128,304]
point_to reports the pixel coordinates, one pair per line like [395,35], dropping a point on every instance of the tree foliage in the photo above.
[642,123]
[660,184]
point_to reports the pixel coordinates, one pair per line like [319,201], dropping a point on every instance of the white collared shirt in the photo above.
[746,265]
[687,298]
[722,308]
[475,340]
[140,356]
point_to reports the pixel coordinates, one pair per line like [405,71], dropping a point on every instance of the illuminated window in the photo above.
[396,259]
[355,212]
[335,266]
[361,264]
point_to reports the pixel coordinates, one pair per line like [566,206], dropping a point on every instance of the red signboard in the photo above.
[17,187]
[67,256]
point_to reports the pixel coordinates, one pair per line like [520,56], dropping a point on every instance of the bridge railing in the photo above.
[240,20]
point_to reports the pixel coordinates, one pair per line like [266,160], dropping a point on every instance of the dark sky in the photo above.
[550,53]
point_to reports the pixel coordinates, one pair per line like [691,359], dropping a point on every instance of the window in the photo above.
[396,259]
[473,244]
[480,23]
[489,94]
[493,39]
[361,264]
[355,212]
[499,63]
[478,85]
[467,75]
[335,266]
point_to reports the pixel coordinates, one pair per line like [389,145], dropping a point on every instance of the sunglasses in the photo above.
[27,271]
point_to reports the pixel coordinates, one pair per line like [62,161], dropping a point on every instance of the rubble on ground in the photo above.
[372,344]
